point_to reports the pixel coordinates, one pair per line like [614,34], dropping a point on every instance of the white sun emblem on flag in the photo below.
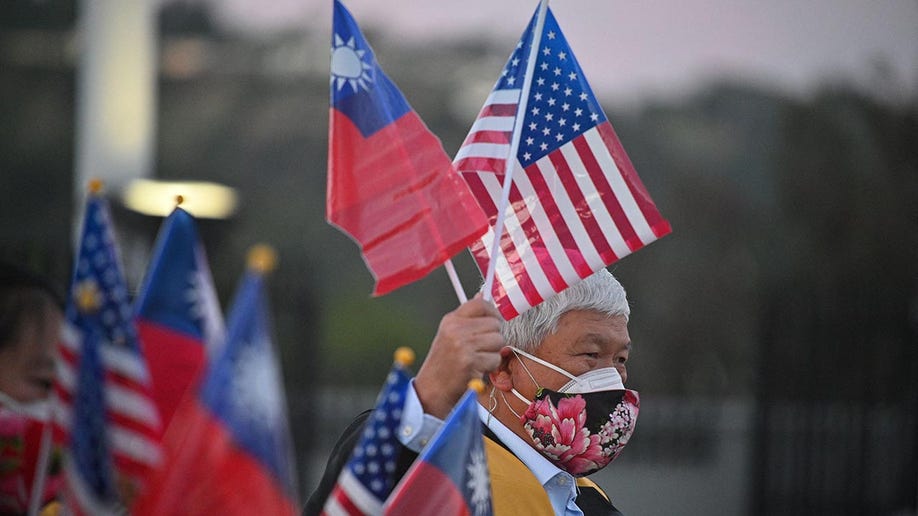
[348,66]
[478,482]
[205,307]
[255,387]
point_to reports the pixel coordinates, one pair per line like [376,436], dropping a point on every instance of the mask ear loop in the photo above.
[517,353]
[515,413]
[538,360]
[492,405]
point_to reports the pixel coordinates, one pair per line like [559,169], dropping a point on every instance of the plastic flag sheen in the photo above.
[391,186]
[576,203]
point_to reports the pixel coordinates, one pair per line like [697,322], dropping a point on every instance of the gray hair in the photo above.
[600,292]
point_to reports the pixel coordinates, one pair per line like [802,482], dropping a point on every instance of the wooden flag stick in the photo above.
[41,466]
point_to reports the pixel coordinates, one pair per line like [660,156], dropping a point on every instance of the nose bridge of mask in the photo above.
[607,378]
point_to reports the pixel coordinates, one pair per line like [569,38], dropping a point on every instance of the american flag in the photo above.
[88,470]
[367,478]
[98,303]
[576,203]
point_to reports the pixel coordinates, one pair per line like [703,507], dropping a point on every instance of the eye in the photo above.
[590,355]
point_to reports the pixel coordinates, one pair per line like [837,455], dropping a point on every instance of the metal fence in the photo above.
[727,456]
[836,458]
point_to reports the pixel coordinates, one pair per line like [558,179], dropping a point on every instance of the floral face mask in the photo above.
[582,427]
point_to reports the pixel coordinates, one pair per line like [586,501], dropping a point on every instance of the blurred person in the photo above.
[31,315]
[554,411]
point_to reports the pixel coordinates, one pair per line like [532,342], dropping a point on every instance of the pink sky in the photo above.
[635,50]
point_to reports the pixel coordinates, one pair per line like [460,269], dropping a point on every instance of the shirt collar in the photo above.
[543,470]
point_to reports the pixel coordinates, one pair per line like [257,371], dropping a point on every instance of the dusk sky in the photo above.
[633,51]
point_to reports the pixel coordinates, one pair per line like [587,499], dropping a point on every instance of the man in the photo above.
[563,359]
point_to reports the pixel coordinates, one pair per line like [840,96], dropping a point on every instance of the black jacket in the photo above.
[590,501]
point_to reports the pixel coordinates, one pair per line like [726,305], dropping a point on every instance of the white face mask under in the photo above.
[37,410]
[596,380]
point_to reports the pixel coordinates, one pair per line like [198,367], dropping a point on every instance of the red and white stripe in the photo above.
[134,425]
[571,213]
[351,498]
[79,498]
[487,145]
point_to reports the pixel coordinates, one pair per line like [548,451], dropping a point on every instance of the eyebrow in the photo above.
[590,338]
[595,339]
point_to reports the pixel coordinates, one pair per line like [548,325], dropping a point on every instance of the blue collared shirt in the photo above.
[417,428]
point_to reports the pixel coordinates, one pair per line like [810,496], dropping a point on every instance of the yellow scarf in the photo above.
[514,489]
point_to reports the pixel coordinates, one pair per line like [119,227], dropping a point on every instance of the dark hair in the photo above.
[23,294]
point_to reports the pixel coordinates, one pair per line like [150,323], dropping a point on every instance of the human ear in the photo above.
[502,378]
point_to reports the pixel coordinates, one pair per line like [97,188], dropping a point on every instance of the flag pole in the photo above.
[514,147]
[454,279]
[41,465]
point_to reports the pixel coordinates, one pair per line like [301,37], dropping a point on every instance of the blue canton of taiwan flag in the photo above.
[576,203]
[367,479]
[359,88]
[391,186]
[178,314]
[450,476]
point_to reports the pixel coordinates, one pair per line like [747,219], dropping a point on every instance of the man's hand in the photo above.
[467,345]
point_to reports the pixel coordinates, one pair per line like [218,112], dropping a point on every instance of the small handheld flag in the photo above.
[368,477]
[450,476]
[391,186]
[576,203]
[99,320]
[177,311]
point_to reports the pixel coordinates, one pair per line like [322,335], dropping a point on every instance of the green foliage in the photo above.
[361,336]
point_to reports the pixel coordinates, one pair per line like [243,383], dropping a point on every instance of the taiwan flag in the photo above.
[391,186]
[178,314]
[228,450]
[450,476]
